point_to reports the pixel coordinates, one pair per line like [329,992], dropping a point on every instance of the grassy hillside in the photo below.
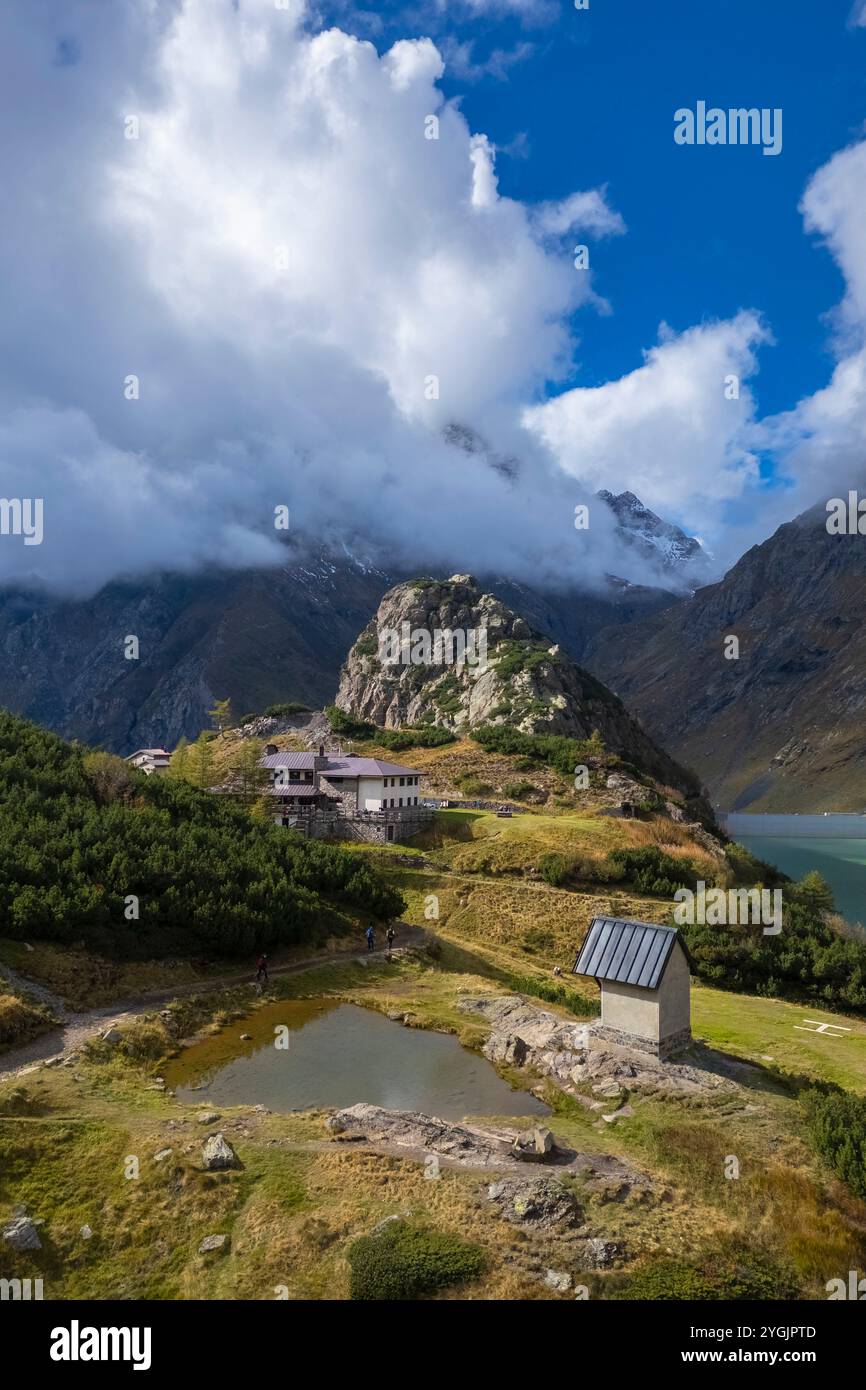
[294,1209]
[507,902]
[92,851]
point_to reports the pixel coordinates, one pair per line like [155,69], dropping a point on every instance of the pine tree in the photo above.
[221,715]
[201,762]
[246,777]
[180,761]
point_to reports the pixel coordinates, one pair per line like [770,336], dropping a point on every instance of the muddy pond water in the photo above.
[339,1054]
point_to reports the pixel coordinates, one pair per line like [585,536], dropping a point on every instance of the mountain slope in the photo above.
[526,682]
[782,727]
[257,636]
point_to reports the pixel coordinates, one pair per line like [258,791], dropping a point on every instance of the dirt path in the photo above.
[75,1028]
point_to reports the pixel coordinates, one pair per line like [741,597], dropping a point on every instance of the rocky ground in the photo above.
[524,1035]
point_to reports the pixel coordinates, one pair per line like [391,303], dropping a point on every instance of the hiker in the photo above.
[371,940]
[389,937]
[262,968]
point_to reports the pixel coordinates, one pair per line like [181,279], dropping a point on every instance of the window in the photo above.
[402,783]
[401,801]
[294,775]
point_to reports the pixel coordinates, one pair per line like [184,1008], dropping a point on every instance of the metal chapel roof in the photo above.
[631,953]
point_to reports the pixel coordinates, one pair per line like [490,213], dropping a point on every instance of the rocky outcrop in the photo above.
[467,1146]
[524,1035]
[413,1134]
[510,674]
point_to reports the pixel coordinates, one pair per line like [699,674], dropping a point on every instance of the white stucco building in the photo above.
[150,760]
[644,975]
[336,783]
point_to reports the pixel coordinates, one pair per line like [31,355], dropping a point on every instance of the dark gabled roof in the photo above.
[631,953]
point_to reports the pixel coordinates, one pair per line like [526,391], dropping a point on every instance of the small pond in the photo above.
[339,1054]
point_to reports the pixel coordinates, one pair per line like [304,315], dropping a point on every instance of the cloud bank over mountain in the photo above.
[309,291]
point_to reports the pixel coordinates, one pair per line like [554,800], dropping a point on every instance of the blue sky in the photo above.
[709,232]
[309,293]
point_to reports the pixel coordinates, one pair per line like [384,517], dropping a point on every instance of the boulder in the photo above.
[21,1234]
[162,1155]
[209,1117]
[112,1035]
[212,1243]
[539,1202]
[557,1279]
[535,1147]
[218,1153]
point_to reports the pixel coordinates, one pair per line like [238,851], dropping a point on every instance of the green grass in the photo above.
[760,1029]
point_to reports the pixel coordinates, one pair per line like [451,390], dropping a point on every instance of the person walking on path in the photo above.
[371,940]
[262,969]
[389,937]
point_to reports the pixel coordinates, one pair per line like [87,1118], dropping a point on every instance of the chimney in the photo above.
[270,750]
[320,762]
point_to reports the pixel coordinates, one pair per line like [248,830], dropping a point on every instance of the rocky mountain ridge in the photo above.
[522,680]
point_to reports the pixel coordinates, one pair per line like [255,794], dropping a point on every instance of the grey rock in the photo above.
[21,1234]
[600,1254]
[162,1155]
[209,1117]
[112,1035]
[212,1243]
[558,1280]
[539,1202]
[218,1153]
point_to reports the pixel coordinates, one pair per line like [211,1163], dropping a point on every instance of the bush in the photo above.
[550,750]
[556,869]
[837,1127]
[581,1005]
[516,791]
[653,871]
[752,1276]
[406,1261]
[344,724]
[286,710]
[144,1042]
[472,786]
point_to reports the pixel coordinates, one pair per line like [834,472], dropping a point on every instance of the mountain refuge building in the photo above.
[337,793]
[643,971]
[149,760]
